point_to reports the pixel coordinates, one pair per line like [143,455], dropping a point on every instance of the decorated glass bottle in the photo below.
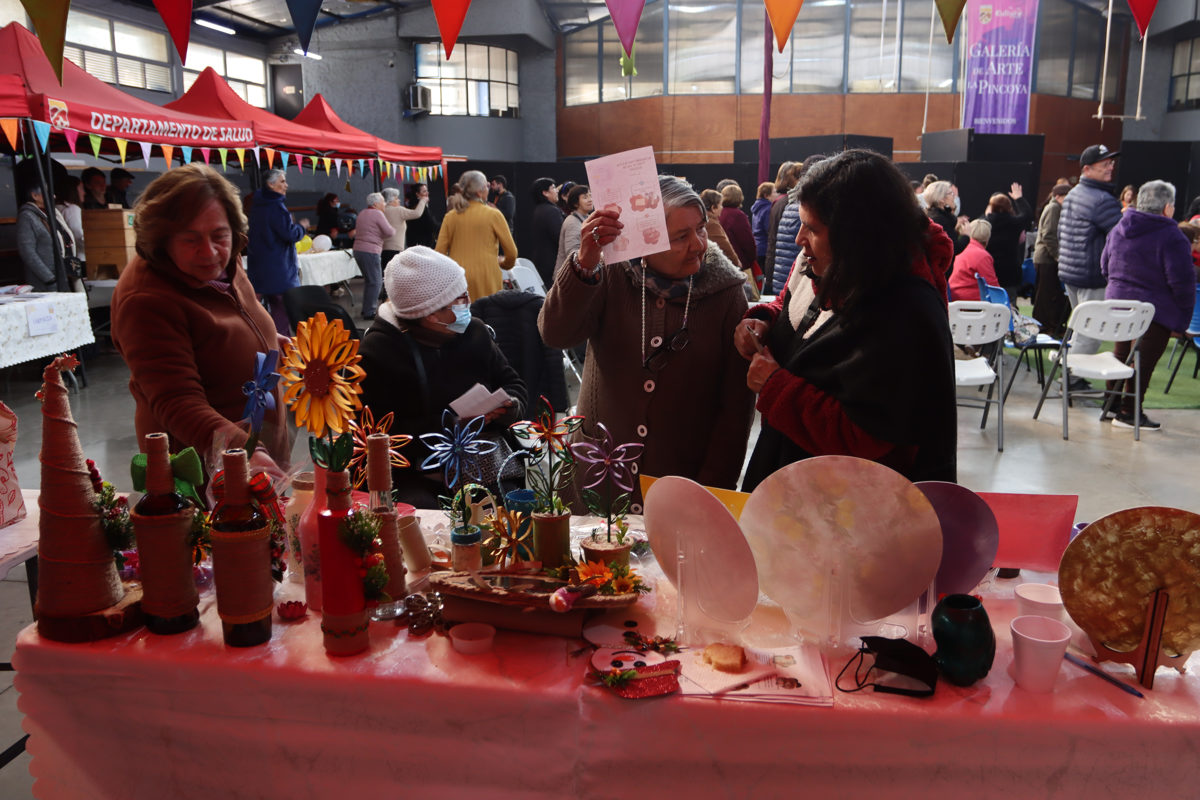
[310,541]
[344,618]
[298,503]
[162,523]
[379,482]
[241,546]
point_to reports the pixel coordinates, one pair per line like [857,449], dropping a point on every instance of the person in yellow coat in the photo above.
[473,234]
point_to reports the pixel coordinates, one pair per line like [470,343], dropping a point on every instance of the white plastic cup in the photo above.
[1041,600]
[1038,647]
[472,638]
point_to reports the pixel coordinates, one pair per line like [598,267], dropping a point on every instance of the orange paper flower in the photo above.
[364,427]
[320,369]
[594,572]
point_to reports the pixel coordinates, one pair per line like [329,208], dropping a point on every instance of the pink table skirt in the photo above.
[143,716]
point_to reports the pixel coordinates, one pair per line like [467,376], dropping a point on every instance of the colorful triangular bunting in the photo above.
[168,151]
[95,140]
[71,136]
[224,154]
[42,131]
[147,149]
[11,130]
[178,16]
[185,154]
[121,145]
[450,15]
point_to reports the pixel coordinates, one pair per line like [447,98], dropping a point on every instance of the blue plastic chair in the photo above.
[1190,340]
[992,294]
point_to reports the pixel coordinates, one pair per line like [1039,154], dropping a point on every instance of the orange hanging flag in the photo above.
[782,14]
[950,11]
[450,15]
[10,127]
[49,18]
[168,151]
[270,157]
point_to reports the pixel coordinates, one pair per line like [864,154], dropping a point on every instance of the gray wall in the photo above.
[1161,36]
[355,77]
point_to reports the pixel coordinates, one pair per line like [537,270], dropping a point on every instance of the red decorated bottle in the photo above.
[162,523]
[241,550]
[344,618]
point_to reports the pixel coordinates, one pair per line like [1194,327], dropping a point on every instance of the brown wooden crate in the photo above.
[109,237]
[108,219]
[116,256]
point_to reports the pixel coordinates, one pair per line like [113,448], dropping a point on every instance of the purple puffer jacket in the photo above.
[1147,258]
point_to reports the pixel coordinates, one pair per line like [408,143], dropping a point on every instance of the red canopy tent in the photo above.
[211,95]
[84,104]
[319,115]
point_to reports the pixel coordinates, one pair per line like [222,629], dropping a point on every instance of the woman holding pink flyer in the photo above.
[661,367]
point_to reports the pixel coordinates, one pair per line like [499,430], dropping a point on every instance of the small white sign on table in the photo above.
[628,183]
[41,318]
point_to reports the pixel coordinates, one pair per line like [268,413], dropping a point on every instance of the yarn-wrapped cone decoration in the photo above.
[80,596]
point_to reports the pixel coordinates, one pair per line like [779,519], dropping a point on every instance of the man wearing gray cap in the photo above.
[1089,212]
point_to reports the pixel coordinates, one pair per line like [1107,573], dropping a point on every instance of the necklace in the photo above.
[687,304]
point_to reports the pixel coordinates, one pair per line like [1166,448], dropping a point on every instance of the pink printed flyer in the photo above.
[628,184]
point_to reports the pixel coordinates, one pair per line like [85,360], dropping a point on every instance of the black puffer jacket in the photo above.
[513,315]
[1089,212]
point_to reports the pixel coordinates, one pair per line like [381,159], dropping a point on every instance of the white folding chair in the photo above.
[1109,321]
[975,323]
[527,278]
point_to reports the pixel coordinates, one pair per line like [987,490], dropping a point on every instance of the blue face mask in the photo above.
[957,205]
[462,318]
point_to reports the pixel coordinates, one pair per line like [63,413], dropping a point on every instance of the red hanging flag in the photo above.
[1142,11]
[178,16]
[450,15]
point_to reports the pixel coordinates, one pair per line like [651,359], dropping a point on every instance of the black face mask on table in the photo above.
[912,670]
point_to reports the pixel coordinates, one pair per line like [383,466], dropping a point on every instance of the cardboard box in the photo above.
[106,218]
[109,237]
[107,261]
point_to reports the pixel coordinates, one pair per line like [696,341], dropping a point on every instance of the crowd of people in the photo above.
[678,353]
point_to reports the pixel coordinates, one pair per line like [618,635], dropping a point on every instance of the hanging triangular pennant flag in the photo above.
[328,162]
[49,18]
[241,154]
[270,157]
[257,158]
[185,154]
[312,164]
[782,14]
[1142,11]
[628,68]
[10,127]
[304,19]
[121,145]
[147,149]
[178,16]
[283,159]
[205,153]
[71,136]
[337,164]
[300,163]
[224,154]
[626,14]
[42,131]
[95,140]
[361,168]
[950,11]
[450,15]
[371,166]
[168,151]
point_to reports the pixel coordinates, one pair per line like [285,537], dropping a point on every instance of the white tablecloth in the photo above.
[186,717]
[18,542]
[332,266]
[72,326]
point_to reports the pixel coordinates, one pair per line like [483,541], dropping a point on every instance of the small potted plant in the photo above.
[611,468]
[548,470]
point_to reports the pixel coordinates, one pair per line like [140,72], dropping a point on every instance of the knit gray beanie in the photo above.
[420,281]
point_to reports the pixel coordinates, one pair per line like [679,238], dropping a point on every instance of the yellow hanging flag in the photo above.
[121,145]
[327,162]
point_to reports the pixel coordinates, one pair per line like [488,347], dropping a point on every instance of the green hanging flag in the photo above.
[95,139]
[224,153]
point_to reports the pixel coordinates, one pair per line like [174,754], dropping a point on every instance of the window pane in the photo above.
[1178,91]
[12,11]
[1194,88]
[753,22]
[916,67]
[158,77]
[256,95]
[139,42]
[428,58]
[477,97]
[74,55]
[88,30]
[615,85]
[648,53]
[1182,56]
[189,77]
[514,102]
[101,65]
[129,73]
[477,62]
[454,97]
[580,77]
[818,47]
[873,46]
[239,88]
[456,65]
[1195,57]
[703,46]
[1089,44]
[199,56]
[497,64]
[1118,57]
[1054,47]
[512,66]
[245,68]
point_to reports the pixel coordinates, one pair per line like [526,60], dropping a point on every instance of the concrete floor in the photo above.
[1101,463]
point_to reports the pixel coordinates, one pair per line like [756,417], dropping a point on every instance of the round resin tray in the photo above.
[970,536]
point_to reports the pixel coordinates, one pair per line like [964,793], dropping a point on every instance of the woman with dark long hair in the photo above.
[854,356]
[1009,215]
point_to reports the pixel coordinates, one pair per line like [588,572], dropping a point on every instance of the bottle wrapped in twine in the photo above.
[379,481]
[163,541]
[241,559]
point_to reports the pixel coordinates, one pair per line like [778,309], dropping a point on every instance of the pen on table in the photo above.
[1099,673]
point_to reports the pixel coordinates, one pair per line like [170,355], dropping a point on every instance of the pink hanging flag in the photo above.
[178,16]
[205,152]
[70,136]
[450,15]
[1142,11]
[782,14]
[950,11]
[626,14]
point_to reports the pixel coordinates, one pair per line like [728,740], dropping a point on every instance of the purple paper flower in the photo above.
[607,462]
[456,441]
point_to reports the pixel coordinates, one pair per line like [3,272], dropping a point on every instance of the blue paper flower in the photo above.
[260,392]
[457,441]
